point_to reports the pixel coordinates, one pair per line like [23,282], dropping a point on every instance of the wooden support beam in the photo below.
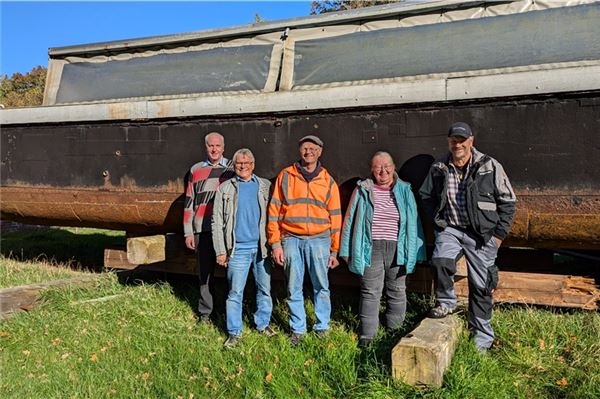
[513,287]
[147,249]
[24,297]
[423,355]
[184,262]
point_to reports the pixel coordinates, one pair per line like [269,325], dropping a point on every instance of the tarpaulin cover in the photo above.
[214,70]
[550,36]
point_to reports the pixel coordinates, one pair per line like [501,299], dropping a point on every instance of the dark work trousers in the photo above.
[205,254]
[383,274]
[482,278]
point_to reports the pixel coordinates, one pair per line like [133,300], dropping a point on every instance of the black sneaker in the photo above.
[296,338]
[364,342]
[322,334]
[231,341]
[204,319]
[268,332]
[439,312]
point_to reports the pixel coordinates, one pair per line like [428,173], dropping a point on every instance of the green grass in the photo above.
[14,272]
[143,340]
[79,247]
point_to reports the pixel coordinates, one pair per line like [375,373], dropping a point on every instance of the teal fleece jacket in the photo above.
[356,242]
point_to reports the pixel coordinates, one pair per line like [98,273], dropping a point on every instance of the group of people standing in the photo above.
[235,219]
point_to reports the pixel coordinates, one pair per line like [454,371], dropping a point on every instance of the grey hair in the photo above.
[219,135]
[383,154]
[243,152]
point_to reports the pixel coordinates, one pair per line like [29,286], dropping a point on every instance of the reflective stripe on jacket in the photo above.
[302,208]
[357,243]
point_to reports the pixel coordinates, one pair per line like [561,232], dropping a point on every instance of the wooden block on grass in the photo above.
[25,297]
[146,250]
[422,356]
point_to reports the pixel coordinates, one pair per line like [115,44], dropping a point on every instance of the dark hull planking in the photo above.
[129,175]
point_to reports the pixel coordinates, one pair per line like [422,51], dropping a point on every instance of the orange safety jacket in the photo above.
[301,208]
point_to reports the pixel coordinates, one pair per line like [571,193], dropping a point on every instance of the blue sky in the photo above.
[28,28]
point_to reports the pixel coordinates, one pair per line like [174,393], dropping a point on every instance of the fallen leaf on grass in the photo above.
[268,377]
[573,337]
[542,344]
[94,357]
[56,341]
[103,349]
[562,382]
[146,375]
[65,355]
[4,334]
[309,362]
[26,352]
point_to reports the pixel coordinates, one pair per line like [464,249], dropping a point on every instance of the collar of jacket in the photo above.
[252,178]
[293,170]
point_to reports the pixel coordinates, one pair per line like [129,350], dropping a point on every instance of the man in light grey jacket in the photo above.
[239,238]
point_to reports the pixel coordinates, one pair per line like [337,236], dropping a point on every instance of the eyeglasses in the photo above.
[382,167]
[243,163]
[310,149]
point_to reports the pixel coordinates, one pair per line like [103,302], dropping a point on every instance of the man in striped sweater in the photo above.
[303,230]
[203,180]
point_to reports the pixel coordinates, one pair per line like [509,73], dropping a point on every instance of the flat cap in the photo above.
[312,139]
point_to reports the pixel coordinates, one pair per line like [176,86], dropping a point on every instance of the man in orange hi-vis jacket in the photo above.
[303,230]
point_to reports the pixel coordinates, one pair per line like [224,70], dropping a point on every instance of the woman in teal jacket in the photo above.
[382,240]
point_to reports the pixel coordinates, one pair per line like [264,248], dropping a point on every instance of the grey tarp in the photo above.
[214,70]
[550,36]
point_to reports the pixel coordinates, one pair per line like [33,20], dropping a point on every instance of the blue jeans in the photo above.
[314,253]
[238,267]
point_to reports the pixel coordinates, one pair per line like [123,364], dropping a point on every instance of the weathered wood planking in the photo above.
[513,287]
[24,297]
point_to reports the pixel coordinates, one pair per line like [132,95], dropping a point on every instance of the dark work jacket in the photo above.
[491,202]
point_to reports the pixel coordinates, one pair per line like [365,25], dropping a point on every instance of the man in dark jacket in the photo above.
[469,199]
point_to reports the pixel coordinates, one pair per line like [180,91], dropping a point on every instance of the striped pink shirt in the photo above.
[385,215]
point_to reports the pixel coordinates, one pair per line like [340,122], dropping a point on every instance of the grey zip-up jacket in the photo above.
[224,216]
[491,202]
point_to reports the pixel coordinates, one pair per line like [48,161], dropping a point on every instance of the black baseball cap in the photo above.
[460,129]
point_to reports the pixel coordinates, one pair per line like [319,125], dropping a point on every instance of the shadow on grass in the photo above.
[78,248]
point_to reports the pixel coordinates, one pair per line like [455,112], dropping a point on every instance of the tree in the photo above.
[321,7]
[23,90]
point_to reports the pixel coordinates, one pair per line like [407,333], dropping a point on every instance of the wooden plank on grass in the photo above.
[24,297]
[542,289]
[423,355]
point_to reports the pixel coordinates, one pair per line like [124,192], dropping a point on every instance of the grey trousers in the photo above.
[450,244]
[383,273]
